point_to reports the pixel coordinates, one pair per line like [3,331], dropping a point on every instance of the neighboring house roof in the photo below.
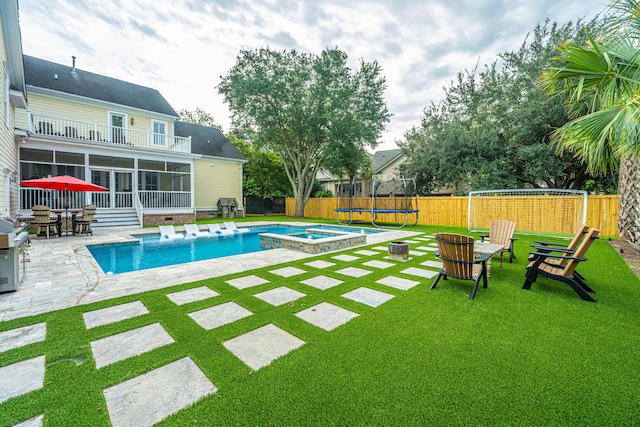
[382,159]
[62,78]
[208,141]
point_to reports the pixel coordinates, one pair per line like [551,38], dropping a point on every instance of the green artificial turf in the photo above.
[426,357]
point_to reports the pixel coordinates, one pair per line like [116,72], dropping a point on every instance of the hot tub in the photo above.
[313,240]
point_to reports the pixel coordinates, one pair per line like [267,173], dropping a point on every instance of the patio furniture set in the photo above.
[463,258]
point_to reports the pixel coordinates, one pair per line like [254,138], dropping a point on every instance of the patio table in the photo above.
[482,248]
[66,213]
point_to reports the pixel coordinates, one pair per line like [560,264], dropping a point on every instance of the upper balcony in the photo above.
[92,131]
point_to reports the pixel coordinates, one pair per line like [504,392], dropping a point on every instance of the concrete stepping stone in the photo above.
[416,253]
[151,397]
[353,272]
[420,272]
[192,295]
[279,296]
[288,271]
[322,282]
[378,264]
[428,248]
[345,257]
[219,315]
[320,264]
[381,248]
[19,337]
[21,378]
[398,282]
[368,296]
[431,263]
[262,346]
[411,241]
[127,344]
[424,239]
[247,282]
[114,314]
[326,316]
[33,422]
[366,252]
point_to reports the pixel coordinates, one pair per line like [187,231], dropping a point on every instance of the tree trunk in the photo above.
[300,204]
[629,192]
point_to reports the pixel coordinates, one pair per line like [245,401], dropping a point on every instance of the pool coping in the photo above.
[62,273]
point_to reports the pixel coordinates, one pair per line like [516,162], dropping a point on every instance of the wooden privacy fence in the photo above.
[602,211]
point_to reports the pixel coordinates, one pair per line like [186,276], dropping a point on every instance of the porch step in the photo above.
[116,218]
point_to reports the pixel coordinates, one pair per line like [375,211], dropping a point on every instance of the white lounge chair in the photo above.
[192,230]
[214,229]
[232,226]
[167,232]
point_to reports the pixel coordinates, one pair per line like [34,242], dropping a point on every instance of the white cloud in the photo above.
[182,48]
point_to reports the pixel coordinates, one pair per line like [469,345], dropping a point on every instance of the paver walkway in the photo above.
[152,396]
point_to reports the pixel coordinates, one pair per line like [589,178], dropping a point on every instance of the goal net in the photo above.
[543,211]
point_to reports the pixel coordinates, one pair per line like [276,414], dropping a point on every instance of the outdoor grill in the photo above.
[13,238]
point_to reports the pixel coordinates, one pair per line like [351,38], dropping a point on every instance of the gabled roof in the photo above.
[63,78]
[208,141]
[382,159]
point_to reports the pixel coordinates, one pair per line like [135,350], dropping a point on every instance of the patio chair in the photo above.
[44,221]
[168,232]
[192,230]
[458,260]
[562,272]
[568,249]
[501,233]
[215,230]
[232,226]
[81,224]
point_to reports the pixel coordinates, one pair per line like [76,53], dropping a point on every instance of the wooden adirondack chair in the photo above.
[43,220]
[458,260]
[501,233]
[82,223]
[542,263]
[569,248]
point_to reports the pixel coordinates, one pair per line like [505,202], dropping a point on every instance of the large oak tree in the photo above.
[303,106]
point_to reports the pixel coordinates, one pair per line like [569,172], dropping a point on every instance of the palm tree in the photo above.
[602,81]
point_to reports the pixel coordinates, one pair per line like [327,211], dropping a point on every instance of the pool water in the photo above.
[149,252]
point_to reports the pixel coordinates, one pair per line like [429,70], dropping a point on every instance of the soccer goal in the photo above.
[543,211]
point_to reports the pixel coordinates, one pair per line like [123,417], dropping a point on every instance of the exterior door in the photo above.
[117,122]
[120,185]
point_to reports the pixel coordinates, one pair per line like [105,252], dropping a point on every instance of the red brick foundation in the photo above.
[163,219]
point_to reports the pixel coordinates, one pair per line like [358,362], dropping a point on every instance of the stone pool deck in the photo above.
[61,273]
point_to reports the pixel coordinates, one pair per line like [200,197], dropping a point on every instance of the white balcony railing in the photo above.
[59,200]
[93,131]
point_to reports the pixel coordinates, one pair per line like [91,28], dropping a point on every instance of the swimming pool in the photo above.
[149,252]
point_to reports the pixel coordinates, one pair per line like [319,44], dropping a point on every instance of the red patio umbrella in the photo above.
[64,183]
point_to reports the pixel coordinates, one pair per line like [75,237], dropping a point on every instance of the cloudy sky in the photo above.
[182,47]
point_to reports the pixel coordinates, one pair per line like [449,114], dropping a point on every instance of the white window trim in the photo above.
[159,135]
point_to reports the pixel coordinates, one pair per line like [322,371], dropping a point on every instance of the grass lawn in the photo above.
[509,357]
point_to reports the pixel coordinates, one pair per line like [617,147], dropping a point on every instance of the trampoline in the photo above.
[390,196]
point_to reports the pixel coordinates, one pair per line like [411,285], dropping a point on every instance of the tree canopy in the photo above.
[199,117]
[303,106]
[601,84]
[493,128]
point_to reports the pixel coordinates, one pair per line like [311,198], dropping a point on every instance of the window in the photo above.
[159,133]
